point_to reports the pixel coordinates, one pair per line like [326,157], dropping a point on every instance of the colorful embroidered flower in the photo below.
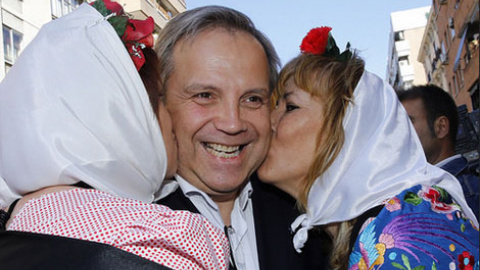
[387,239]
[433,196]
[393,204]
[315,42]
[466,261]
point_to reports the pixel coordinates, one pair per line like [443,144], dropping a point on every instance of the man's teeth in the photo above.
[223,151]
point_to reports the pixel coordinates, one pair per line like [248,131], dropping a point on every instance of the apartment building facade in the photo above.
[406,31]
[450,50]
[22,19]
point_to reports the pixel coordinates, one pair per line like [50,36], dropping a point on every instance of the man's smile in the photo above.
[223,151]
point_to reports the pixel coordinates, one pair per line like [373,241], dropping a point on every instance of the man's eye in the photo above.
[255,99]
[204,98]
[203,95]
[254,102]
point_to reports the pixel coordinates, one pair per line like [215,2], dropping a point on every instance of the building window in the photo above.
[455,85]
[451,26]
[447,42]
[457,3]
[460,78]
[63,7]
[11,44]
[399,36]
[403,61]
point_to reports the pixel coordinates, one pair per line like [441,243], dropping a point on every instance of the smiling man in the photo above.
[223,126]
[218,72]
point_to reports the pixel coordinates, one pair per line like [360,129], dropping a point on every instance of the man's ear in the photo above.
[442,127]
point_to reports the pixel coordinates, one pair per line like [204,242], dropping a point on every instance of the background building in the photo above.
[431,55]
[450,50]
[406,32]
[22,19]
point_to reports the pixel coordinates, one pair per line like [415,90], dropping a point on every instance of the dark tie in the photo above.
[232,266]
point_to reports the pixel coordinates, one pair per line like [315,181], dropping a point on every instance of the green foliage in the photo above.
[345,55]
[406,265]
[399,266]
[332,50]
[119,23]
[100,7]
[412,198]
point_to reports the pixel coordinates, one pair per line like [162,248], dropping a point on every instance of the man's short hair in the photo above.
[436,102]
[187,25]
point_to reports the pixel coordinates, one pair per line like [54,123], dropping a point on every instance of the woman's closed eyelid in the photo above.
[289,106]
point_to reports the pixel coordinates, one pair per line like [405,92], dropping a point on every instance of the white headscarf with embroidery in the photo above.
[381,157]
[74,108]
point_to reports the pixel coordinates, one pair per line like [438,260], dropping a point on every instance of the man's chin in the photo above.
[224,192]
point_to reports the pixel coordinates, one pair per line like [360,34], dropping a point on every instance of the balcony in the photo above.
[141,9]
[402,48]
[175,6]
[407,73]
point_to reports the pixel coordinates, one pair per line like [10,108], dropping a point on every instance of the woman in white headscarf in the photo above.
[74,112]
[344,147]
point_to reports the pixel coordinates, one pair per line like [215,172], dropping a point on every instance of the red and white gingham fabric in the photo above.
[176,239]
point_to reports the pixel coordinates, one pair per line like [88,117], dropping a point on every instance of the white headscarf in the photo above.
[74,108]
[381,157]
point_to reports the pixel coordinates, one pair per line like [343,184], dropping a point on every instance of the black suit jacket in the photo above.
[31,251]
[274,211]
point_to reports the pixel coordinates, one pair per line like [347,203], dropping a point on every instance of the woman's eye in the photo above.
[291,107]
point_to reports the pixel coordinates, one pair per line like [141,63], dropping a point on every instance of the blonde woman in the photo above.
[344,147]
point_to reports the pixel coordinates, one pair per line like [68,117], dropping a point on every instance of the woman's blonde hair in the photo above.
[333,82]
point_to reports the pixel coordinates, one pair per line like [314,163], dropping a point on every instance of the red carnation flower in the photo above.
[315,42]
[138,29]
[466,261]
[137,36]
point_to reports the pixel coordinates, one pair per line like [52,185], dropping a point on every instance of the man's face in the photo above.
[418,115]
[218,97]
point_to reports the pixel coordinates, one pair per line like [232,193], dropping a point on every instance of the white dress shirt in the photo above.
[447,160]
[241,233]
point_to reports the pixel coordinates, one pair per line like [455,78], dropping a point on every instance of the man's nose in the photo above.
[230,119]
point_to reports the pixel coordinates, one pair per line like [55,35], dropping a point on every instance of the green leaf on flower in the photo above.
[412,198]
[331,49]
[462,227]
[434,266]
[119,23]
[406,262]
[345,55]
[420,267]
[399,266]
[100,7]
[443,194]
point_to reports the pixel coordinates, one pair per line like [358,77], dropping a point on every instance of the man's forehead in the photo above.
[189,40]
[414,107]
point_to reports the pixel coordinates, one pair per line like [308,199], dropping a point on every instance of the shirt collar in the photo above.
[447,160]
[189,190]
